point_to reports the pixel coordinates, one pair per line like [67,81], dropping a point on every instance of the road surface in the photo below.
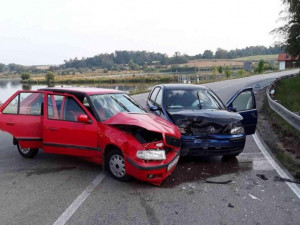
[54,189]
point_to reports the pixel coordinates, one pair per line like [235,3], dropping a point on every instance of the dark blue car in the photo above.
[208,127]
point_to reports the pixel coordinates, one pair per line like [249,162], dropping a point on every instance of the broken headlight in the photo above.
[237,130]
[151,154]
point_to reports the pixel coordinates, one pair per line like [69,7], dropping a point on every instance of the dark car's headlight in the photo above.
[237,130]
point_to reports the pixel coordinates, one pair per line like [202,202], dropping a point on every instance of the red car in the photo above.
[104,126]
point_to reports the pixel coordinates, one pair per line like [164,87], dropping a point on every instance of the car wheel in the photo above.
[28,152]
[116,165]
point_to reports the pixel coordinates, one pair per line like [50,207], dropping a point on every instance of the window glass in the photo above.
[108,105]
[12,107]
[191,99]
[244,101]
[154,94]
[31,103]
[63,108]
[159,97]
[54,107]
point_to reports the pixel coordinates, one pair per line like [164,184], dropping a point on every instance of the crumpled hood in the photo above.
[198,122]
[221,117]
[145,120]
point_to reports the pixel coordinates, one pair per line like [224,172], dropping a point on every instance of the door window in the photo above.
[12,107]
[244,101]
[63,108]
[26,104]
[154,94]
[159,98]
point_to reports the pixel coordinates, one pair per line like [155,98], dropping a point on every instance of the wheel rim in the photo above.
[117,165]
[25,150]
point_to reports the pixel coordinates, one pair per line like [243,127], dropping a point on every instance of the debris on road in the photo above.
[253,197]
[262,176]
[218,182]
[276,178]
[230,205]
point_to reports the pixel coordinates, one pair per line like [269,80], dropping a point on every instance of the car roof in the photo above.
[82,90]
[184,86]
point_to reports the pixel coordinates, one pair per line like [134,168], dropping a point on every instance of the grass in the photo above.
[282,130]
[258,57]
[287,92]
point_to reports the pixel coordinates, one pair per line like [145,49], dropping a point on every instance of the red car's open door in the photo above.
[22,117]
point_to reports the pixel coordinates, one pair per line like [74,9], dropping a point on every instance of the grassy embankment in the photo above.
[286,146]
[287,92]
[287,142]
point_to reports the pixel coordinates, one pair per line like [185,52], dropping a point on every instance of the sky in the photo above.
[44,32]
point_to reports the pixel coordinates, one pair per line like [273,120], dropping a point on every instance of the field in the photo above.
[258,57]
[214,62]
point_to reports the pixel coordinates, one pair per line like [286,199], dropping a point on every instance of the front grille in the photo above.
[173,141]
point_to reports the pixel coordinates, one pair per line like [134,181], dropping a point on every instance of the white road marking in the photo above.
[79,200]
[278,169]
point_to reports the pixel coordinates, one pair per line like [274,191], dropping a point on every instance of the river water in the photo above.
[9,86]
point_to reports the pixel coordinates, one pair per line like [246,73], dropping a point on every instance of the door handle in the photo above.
[52,128]
[10,123]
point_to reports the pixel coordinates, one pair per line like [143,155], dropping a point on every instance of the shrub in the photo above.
[50,78]
[220,69]
[25,76]
[228,71]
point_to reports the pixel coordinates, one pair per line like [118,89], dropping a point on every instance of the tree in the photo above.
[133,66]
[215,70]
[25,76]
[228,71]
[50,78]
[242,73]
[208,54]
[220,69]
[221,54]
[290,31]
[261,66]
[2,67]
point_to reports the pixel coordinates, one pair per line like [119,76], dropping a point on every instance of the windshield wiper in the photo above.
[120,103]
[200,106]
[133,102]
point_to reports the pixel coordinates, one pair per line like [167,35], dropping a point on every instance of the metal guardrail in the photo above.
[290,117]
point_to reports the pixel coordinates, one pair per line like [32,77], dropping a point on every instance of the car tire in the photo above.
[116,165]
[28,152]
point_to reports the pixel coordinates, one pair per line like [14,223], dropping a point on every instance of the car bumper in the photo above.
[215,145]
[154,172]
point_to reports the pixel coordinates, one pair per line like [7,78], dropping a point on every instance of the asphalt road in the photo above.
[62,189]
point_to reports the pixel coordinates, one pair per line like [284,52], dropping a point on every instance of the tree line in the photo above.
[141,58]
[121,60]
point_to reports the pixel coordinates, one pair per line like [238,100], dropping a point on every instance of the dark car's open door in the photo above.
[243,102]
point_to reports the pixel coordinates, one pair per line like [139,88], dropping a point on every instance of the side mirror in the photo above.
[153,108]
[82,118]
[232,109]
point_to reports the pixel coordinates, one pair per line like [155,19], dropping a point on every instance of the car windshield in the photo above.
[109,105]
[181,99]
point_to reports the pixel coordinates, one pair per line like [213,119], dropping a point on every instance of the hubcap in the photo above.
[25,150]
[117,165]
